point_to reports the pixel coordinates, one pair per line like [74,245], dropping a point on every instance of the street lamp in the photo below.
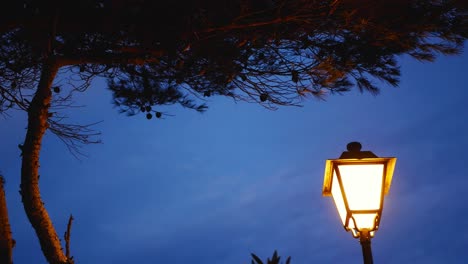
[358,181]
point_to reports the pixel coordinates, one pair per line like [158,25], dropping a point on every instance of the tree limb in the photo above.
[31,197]
[6,241]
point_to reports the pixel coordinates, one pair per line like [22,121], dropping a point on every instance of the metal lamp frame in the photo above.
[354,156]
[332,166]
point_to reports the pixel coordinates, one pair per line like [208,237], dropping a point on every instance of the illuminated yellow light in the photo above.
[357,186]
[362,185]
[338,198]
[364,221]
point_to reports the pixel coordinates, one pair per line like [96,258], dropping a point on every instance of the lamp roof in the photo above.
[354,155]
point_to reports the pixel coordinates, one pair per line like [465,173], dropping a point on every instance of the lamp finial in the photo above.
[354,146]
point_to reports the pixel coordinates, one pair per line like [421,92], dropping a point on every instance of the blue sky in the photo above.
[213,187]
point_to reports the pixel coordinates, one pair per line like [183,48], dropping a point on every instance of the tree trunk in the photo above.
[31,197]
[6,241]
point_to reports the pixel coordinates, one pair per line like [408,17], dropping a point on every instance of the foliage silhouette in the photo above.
[275,259]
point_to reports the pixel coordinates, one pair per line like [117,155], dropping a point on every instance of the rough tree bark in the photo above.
[37,125]
[6,241]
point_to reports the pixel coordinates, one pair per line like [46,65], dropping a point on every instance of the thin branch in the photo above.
[74,136]
[110,58]
[13,99]
[67,239]
[276,21]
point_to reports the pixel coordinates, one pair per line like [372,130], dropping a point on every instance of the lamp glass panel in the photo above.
[362,185]
[338,198]
[364,221]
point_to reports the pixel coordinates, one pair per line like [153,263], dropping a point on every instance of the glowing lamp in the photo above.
[358,182]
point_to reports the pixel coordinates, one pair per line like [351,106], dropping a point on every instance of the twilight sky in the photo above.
[214,187]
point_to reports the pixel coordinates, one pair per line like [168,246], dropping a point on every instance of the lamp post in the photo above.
[358,182]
